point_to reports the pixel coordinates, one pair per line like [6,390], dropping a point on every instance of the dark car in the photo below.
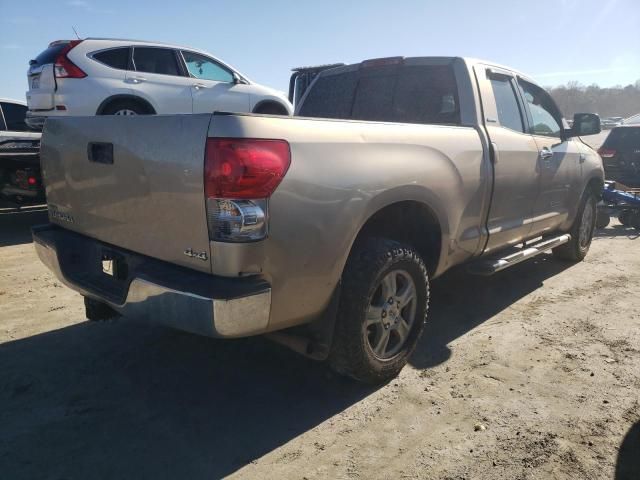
[20,180]
[620,154]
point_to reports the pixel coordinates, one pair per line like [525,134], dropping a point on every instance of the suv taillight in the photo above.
[240,174]
[606,152]
[65,68]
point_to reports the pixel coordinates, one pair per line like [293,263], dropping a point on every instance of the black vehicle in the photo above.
[20,179]
[620,154]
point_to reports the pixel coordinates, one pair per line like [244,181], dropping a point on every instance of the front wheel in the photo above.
[383,308]
[581,232]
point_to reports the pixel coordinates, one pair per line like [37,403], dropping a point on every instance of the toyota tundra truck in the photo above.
[322,230]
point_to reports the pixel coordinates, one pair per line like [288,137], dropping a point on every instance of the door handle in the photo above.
[546,153]
[198,86]
[136,80]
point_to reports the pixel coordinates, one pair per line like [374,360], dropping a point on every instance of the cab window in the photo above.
[544,116]
[205,68]
[507,106]
[155,60]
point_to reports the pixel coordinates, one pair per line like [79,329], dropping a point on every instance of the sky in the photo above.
[554,41]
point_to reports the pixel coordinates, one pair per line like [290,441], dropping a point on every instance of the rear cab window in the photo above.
[162,61]
[403,93]
[114,57]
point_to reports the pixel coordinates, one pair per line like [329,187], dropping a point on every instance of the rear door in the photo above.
[213,85]
[558,160]
[157,76]
[514,154]
[132,181]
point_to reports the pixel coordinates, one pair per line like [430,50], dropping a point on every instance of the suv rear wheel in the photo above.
[125,107]
[383,307]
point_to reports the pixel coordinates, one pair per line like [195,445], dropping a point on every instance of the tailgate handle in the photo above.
[100,152]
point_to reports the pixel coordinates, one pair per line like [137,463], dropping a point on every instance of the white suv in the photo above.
[98,76]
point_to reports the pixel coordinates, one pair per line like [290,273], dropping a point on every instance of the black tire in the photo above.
[125,105]
[370,262]
[575,250]
[624,217]
[96,311]
[271,109]
[634,219]
[602,219]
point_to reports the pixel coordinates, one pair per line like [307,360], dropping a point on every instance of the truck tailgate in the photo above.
[135,182]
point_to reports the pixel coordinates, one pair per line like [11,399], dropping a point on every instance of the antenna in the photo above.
[75,31]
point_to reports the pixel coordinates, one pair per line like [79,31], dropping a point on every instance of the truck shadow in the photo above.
[460,302]
[16,223]
[124,399]
[628,462]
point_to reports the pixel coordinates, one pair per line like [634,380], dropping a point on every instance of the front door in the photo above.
[214,87]
[558,160]
[514,156]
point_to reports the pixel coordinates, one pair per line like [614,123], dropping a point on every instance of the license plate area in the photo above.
[113,265]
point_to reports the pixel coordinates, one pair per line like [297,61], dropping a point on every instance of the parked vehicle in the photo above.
[19,155]
[99,76]
[620,154]
[327,229]
[611,122]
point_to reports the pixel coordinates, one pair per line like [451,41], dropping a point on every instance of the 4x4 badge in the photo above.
[190,253]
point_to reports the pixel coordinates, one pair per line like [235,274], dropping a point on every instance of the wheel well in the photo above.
[408,222]
[132,98]
[596,185]
[270,106]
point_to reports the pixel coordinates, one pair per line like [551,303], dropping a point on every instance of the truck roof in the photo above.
[445,59]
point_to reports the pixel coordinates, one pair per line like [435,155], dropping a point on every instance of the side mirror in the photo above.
[584,124]
[237,79]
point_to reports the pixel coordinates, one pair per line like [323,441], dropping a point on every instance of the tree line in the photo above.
[615,101]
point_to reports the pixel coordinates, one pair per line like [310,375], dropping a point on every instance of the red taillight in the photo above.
[65,68]
[241,168]
[32,180]
[606,152]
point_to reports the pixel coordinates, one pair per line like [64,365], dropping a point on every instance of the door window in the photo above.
[544,116]
[14,117]
[204,68]
[509,114]
[155,60]
[114,57]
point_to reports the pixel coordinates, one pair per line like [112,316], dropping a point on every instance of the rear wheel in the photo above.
[383,307]
[602,219]
[271,109]
[125,107]
[581,232]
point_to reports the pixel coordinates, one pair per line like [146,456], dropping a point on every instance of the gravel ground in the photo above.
[531,373]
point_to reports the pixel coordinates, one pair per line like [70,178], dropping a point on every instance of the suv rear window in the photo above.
[155,60]
[623,138]
[50,54]
[114,57]
[405,94]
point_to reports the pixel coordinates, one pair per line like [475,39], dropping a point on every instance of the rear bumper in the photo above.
[156,291]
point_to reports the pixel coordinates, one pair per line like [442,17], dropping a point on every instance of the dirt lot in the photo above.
[531,373]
